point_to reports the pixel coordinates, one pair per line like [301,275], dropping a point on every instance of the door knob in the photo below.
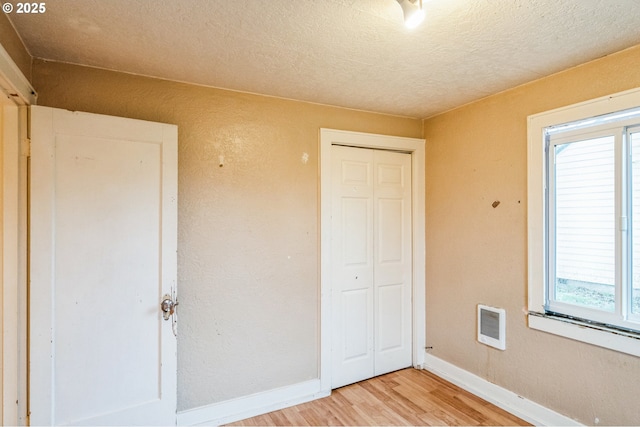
[168,306]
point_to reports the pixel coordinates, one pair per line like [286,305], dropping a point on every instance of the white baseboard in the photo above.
[261,403]
[253,405]
[509,401]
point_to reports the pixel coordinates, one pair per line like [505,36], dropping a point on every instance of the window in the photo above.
[584,222]
[593,227]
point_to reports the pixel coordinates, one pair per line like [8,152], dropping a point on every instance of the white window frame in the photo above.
[626,342]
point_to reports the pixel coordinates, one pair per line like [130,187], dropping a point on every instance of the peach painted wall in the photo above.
[477,154]
[248,243]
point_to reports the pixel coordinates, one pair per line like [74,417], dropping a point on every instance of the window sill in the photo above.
[624,342]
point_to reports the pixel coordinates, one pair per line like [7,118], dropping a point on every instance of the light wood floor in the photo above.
[407,397]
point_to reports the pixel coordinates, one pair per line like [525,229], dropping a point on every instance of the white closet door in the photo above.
[371,263]
[392,261]
[352,261]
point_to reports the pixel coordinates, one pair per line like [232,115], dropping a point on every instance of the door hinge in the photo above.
[25,148]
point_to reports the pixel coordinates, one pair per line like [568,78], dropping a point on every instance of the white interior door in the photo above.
[103,253]
[371,263]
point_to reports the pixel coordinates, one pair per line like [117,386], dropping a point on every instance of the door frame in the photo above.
[415,147]
[18,94]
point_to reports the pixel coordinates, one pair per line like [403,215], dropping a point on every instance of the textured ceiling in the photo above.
[349,53]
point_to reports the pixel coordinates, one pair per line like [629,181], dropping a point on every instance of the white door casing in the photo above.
[329,138]
[103,252]
[16,93]
[371,258]
[9,259]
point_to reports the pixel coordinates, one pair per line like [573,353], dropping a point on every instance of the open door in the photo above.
[103,223]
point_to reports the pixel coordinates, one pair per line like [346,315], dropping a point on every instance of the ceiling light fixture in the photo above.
[413,12]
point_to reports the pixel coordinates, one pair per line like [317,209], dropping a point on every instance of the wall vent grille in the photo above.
[491,326]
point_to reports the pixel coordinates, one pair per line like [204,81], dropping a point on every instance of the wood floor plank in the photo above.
[398,403]
[294,417]
[497,416]
[457,406]
[406,397]
[279,418]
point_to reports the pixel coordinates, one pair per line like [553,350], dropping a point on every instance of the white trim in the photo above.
[14,82]
[416,147]
[536,220]
[601,337]
[13,297]
[253,405]
[509,401]
[13,361]
[9,270]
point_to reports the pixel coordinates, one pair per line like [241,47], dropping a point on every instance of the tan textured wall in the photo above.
[14,47]
[248,262]
[477,154]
